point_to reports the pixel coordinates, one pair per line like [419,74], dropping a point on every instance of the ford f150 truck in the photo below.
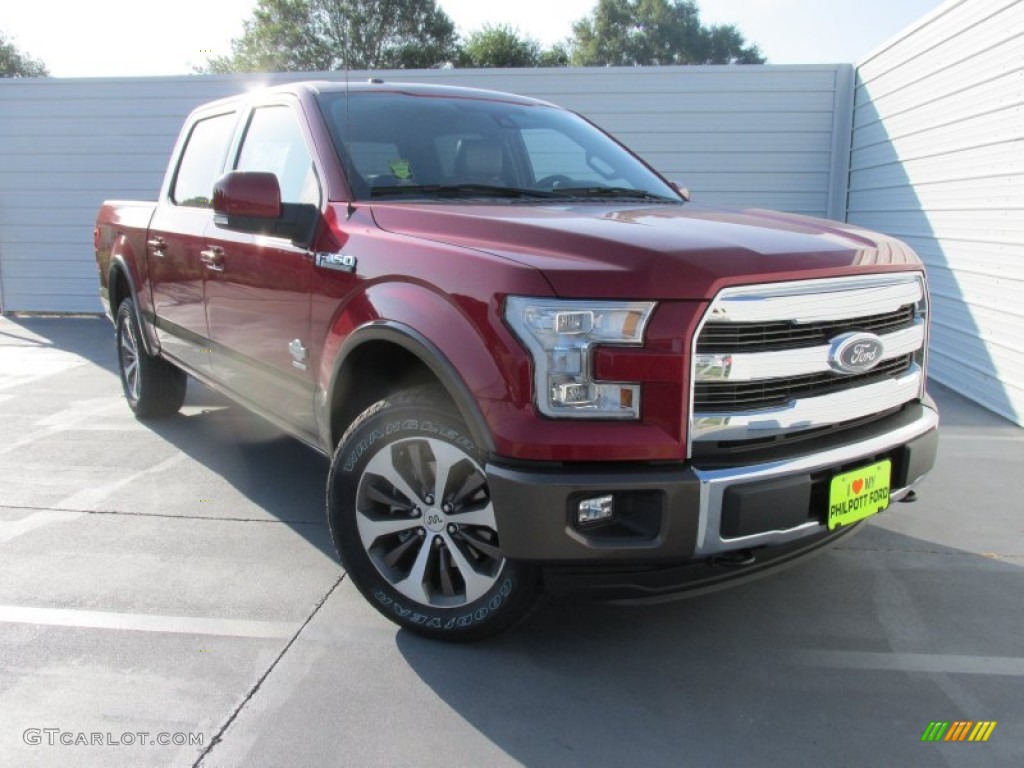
[532,361]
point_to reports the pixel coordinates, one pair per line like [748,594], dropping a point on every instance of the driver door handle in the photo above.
[213,258]
[158,245]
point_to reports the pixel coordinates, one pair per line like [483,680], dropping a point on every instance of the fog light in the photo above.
[597,509]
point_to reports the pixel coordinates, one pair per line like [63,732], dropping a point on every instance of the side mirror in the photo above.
[250,201]
[684,192]
[247,195]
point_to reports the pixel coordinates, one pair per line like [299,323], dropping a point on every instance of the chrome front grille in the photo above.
[765,337]
[766,360]
[772,393]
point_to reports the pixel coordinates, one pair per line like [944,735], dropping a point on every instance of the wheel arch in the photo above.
[121,286]
[383,357]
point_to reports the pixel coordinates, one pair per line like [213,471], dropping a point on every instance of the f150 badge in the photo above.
[340,261]
[856,352]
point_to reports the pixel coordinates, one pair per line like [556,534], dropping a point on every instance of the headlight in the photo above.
[560,336]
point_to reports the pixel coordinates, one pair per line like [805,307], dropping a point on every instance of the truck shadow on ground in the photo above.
[91,338]
[824,660]
[275,476]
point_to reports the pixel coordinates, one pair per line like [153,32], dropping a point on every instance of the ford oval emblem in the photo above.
[855,352]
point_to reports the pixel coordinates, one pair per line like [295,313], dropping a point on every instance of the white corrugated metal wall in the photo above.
[938,160]
[771,136]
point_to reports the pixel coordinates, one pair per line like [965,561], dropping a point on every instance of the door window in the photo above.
[202,161]
[274,143]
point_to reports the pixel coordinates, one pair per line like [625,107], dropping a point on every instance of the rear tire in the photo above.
[153,387]
[413,522]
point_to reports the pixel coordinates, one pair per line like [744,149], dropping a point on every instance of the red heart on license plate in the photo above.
[857,485]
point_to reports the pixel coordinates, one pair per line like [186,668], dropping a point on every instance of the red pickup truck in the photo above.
[532,361]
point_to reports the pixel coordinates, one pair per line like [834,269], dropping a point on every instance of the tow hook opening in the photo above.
[739,558]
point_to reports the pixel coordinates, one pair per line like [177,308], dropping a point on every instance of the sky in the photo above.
[118,38]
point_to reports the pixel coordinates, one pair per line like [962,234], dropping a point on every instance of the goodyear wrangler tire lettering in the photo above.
[434,622]
[362,448]
[411,516]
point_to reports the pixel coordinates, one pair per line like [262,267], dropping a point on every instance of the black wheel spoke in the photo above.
[383,466]
[447,584]
[375,493]
[478,543]
[418,461]
[394,557]
[472,485]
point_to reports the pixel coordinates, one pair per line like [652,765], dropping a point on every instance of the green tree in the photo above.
[499,46]
[319,35]
[651,32]
[555,56]
[15,63]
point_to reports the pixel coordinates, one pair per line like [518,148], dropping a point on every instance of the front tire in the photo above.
[153,387]
[412,519]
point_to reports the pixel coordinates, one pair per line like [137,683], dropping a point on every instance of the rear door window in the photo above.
[202,161]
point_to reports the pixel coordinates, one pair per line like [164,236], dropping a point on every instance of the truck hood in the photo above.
[594,250]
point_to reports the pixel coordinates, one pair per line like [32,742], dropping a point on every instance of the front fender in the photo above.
[434,359]
[456,342]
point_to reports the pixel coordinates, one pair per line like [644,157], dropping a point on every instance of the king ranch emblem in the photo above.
[856,352]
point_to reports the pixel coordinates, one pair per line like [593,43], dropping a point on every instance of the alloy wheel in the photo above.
[426,521]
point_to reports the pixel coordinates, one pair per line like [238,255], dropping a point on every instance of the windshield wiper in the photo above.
[470,191]
[613,192]
[462,191]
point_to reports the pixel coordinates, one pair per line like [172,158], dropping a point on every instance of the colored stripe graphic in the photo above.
[959,730]
[982,730]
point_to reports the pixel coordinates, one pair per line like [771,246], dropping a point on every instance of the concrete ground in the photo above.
[176,580]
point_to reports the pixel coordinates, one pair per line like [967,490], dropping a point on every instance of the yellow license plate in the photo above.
[858,494]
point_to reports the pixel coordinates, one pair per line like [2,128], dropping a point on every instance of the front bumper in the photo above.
[681,527]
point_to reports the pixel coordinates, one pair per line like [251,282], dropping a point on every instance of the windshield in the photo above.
[400,146]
